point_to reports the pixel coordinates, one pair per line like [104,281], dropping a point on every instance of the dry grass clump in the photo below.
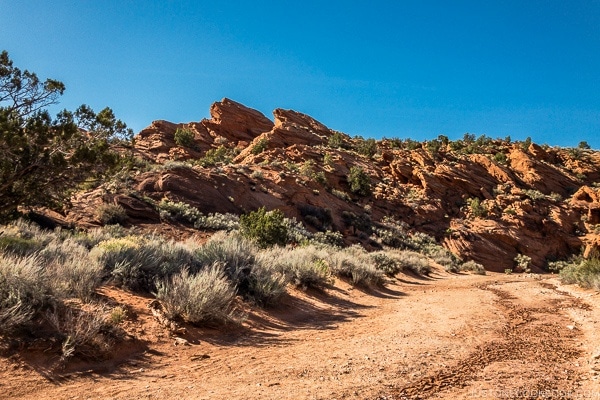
[24,291]
[357,265]
[136,262]
[70,271]
[84,330]
[412,261]
[206,296]
[473,266]
[304,266]
[585,273]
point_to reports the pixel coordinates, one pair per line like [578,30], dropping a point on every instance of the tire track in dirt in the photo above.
[535,336]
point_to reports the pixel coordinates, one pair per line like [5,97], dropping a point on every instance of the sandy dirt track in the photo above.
[444,337]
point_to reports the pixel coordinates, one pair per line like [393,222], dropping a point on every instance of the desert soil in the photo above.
[443,337]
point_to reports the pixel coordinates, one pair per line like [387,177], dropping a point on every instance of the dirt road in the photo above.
[445,337]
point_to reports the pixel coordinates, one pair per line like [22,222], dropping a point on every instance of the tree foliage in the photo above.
[42,158]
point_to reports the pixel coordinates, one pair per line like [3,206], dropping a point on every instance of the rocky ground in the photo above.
[448,336]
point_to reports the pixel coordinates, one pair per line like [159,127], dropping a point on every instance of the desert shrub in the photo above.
[234,253]
[29,230]
[183,212]
[585,273]
[18,246]
[23,290]
[328,238]
[318,217]
[184,137]
[555,197]
[478,210]
[359,181]
[178,211]
[392,233]
[443,257]
[267,228]
[303,266]
[420,241]
[557,266]
[92,237]
[296,231]
[174,164]
[204,297]
[220,155]
[367,148]
[411,144]
[328,160]
[85,332]
[413,261]
[433,147]
[522,263]
[500,158]
[361,222]
[534,194]
[137,262]
[260,146]
[257,174]
[340,194]
[386,262]
[70,271]
[473,266]
[110,214]
[356,264]
[218,221]
[266,284]
[336,140]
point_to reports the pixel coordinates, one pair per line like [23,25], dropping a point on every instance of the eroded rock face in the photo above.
[235,122]
[231,125]
[539,202]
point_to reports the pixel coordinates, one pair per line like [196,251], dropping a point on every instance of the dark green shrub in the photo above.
[500,158]
[184,137]
[220,155]
[259,146]
[585,273]
[367,148]
[267,228]
[478,210]
[336,140]
[359,181]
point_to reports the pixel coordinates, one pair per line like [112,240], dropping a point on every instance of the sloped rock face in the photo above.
[537,201]
[235,122]
[291,128]
[232,124]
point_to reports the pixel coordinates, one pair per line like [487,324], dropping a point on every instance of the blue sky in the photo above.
[373,68]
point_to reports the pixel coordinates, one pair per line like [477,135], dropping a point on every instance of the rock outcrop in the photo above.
[488,203]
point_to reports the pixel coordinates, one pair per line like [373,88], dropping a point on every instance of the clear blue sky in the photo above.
[373,68]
